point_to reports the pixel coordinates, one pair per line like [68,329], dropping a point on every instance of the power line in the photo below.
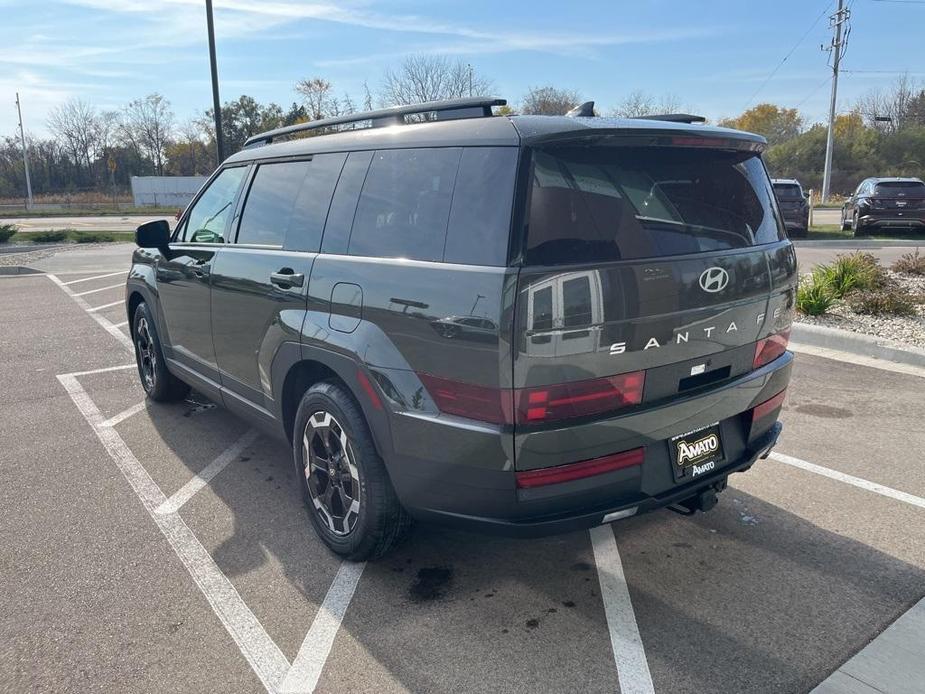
[789,53]
[813,92]
[903,2]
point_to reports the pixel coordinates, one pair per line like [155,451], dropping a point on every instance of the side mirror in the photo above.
[154,234]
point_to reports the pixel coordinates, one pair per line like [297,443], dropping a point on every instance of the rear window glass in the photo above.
[611,203]
[905,188]
[405,204]
[288,202]
[787,191]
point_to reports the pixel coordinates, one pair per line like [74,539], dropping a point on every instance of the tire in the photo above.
[330,429]
[159,384]
[859,229]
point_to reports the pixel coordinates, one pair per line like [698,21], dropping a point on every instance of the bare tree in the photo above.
[146,127]
[637,103]
[549,101]
[367,97]
[894,106]
[431,78]
[317,94]
[77,124]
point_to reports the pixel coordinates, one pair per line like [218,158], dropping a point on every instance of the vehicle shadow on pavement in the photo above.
[749,597]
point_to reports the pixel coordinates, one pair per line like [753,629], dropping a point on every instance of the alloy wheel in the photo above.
[331,475]
[145,345]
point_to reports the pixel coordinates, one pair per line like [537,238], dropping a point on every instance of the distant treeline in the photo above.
[95,150]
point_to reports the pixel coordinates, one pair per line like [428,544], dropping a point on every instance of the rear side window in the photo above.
[405,204]
[910,189]
[480,219]
[593,204]
[344,204]
[288,202]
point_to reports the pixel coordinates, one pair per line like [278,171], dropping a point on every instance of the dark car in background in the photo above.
[885,203]
[794,205]
[525,324]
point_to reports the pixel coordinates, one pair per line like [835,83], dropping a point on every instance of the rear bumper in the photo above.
[583,518]
[461,473]
[915,220]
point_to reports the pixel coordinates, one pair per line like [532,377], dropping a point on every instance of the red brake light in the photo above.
[768,406]
[535,405]
[585,468]
[579,398]
[770,348]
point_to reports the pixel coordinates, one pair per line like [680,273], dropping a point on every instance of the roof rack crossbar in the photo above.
[466,107]
[673,118]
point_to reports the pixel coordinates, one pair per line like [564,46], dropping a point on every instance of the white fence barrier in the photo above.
[165,191]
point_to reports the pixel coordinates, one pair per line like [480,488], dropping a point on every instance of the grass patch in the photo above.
[92,237]
[53,236]
[854,271]
[7,231]
[85,212]
[814,297]
[910,264]
[833,232]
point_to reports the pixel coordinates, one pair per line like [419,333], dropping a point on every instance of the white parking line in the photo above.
[99,371]
[850,479]
[97,277]
[261,652]
[105,323]
[100,308]
[122,324]
[628,652]
[188,490]
[125,414]
[308,664]
[101,289]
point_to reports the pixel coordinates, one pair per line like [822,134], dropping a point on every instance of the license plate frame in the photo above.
[696,453]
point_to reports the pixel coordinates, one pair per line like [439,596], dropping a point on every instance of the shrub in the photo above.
[814,297]
[49,236]
[891,301]
[910,264]
[7,231]
[851,272]
[92,237]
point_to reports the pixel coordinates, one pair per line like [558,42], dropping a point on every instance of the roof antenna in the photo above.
[585,110]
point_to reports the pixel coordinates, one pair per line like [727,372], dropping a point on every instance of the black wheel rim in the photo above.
[331,475]
[145,346]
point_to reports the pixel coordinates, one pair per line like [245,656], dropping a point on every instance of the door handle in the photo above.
[286,278]
[200,270]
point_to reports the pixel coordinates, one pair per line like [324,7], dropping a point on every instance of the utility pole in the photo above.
[25,155]
[836,48]
[216,105]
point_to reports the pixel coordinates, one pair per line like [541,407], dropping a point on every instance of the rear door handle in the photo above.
[286,278]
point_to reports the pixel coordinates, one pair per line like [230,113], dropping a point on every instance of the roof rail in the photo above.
[673,118]
[466,107]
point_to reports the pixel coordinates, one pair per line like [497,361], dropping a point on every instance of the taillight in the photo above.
[579,398]
[537,405]
[467,400]
[586,468]
[768,406]
[770,348]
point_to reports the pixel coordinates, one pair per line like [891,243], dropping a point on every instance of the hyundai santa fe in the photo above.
[523,324]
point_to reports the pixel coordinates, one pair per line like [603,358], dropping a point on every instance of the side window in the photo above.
[288,202]
[405,204]
[207,220]
[480,220]
[344,203]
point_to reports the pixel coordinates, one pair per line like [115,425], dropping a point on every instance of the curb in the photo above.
[859,243]
[856,343]
[18,270]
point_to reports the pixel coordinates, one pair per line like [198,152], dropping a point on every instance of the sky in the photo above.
[715,57]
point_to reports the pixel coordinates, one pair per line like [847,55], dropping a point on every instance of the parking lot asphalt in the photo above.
[165,548]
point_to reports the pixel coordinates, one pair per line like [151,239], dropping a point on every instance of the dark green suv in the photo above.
[524,324]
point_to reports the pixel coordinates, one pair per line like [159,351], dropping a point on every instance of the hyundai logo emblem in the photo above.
[714,279]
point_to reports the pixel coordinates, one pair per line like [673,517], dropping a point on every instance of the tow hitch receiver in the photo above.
[703,500]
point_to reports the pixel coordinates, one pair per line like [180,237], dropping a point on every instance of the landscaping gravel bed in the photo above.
[908,330]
